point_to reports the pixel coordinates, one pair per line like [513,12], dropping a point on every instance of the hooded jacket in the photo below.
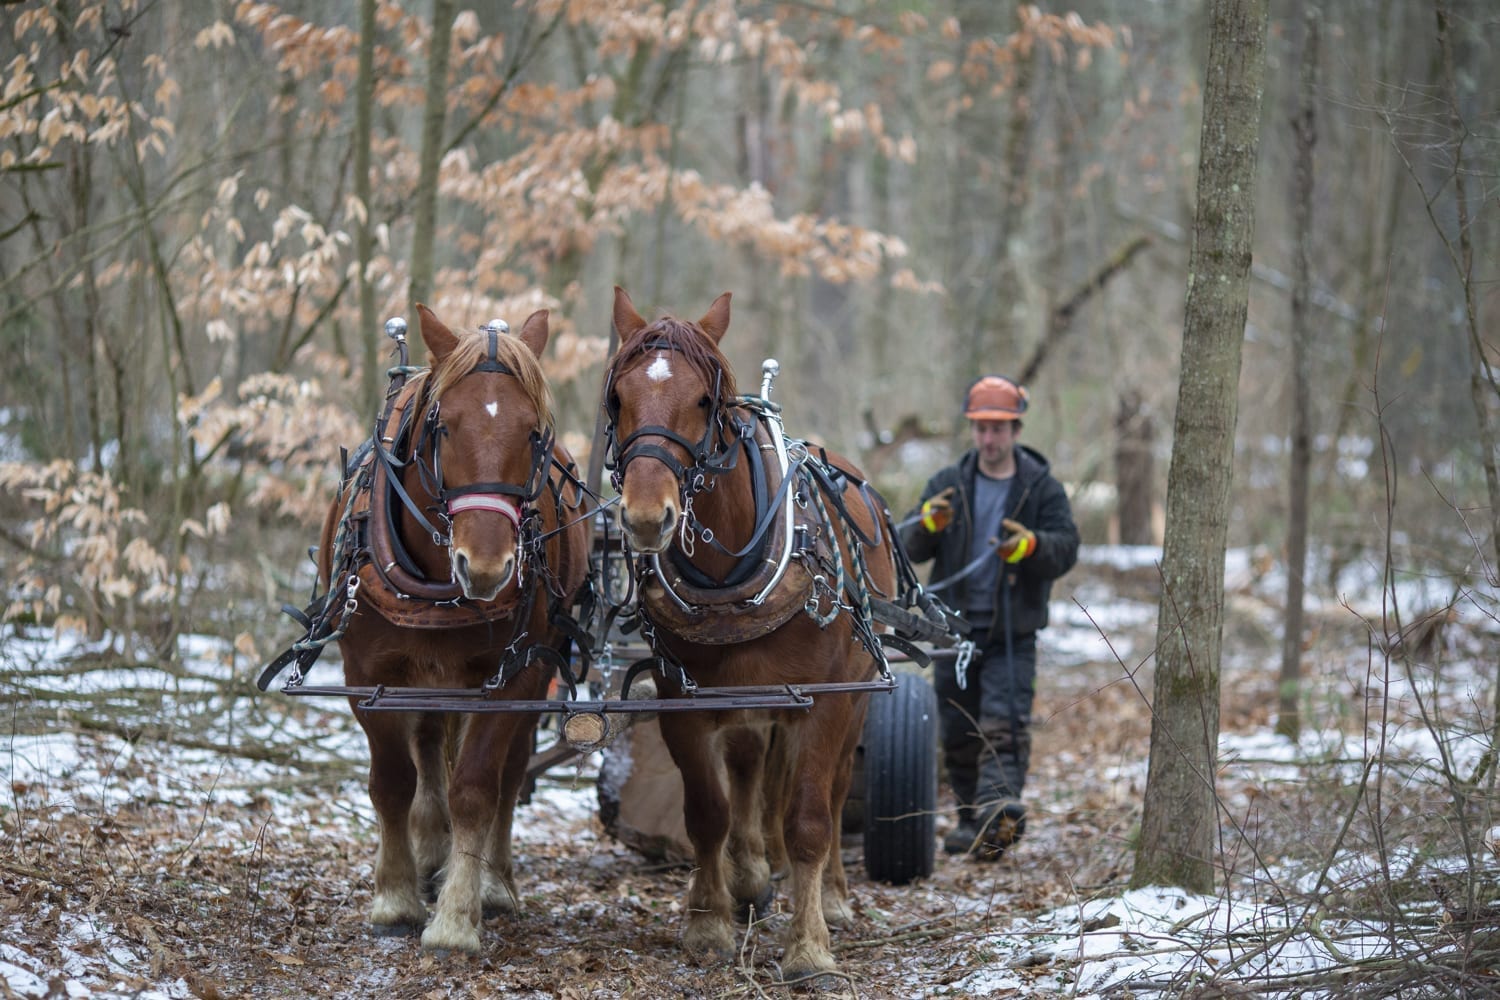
[1036,500]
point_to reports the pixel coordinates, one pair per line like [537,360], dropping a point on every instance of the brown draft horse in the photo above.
[492,524]
[688,466]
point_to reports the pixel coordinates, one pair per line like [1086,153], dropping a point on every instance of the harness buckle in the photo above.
[351,588]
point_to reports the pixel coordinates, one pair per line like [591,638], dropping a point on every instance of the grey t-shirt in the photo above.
[990,496]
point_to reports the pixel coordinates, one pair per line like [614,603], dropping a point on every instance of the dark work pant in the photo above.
[986,727]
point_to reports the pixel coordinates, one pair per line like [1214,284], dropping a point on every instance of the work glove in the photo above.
[937,511]
[1019,541]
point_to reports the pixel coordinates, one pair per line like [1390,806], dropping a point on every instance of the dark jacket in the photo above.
[1038,501]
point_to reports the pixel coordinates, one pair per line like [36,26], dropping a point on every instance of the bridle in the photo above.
[515,501]
[715,453]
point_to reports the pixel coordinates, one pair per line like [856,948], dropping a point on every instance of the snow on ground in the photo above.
[1084,950]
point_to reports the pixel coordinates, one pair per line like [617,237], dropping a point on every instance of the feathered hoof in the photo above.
[758,907]
[397,914]
[809,966]
[499,898]
[837,912]
[450,934]
[818,982]
[708,942]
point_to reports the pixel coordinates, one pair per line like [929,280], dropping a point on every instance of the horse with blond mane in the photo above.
[755,561]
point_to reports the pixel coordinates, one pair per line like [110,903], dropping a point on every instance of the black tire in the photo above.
[900,765]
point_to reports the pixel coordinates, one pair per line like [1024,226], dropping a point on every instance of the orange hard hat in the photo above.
[995,397]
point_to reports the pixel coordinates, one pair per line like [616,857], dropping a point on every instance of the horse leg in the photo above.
[397,902]
[775,789]
[498,894]
[837,912]
[809,837]
[472,795]
[709,932]
[430,833]
[749,874]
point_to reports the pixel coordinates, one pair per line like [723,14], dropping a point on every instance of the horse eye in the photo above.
[614,401]
[704,403]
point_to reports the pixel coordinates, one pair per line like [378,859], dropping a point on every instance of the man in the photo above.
[1001,530]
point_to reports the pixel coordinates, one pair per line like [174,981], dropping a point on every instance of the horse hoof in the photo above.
[450,936]
[708,957]
[393,914]
[819,981]
[499,899]
[395,930]
[758,907]
[708,945]
[505,908]
[837,913]
[806,965]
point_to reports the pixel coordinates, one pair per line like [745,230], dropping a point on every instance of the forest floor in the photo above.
[149,863]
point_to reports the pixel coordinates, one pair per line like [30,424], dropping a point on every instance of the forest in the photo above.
[203,236]
[209,211]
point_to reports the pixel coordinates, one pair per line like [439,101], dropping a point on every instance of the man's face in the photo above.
[995,439]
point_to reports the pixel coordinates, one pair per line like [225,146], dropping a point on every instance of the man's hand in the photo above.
[937,511]
[1019,541]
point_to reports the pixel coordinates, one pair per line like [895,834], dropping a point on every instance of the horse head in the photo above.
[487,442]
[665,394]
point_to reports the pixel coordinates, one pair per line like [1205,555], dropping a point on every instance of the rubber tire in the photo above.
[901,780]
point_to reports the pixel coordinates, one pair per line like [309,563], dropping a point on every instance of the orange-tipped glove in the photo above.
[1019,543]
[937,511]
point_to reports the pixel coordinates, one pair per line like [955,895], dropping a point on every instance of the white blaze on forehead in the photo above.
[493,409]
[660,370]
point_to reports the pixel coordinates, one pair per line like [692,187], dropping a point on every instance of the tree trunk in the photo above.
[1135,469]
[434,116]
[975,243]
[364,241]
[1482,384]
[1178,825]
[1483,390]
[1000,313]
[1304,128]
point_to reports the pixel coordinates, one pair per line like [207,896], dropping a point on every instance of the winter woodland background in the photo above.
[208,210]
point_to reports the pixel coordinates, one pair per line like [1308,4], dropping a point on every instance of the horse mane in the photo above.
[687,339]
[473,346]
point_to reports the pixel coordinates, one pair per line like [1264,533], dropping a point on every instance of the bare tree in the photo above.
[1304,126]
[364,97]
[434,117]
[1179,821]
[1483,388]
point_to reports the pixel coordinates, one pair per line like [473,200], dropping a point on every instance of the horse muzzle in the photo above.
[649,527]
[482,580]
[481,567]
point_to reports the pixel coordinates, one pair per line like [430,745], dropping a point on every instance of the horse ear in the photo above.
[534,332]
[716,320]
[439,339]
[627,320]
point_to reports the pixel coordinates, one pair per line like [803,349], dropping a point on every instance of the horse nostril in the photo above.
[460,565]
[668,520]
